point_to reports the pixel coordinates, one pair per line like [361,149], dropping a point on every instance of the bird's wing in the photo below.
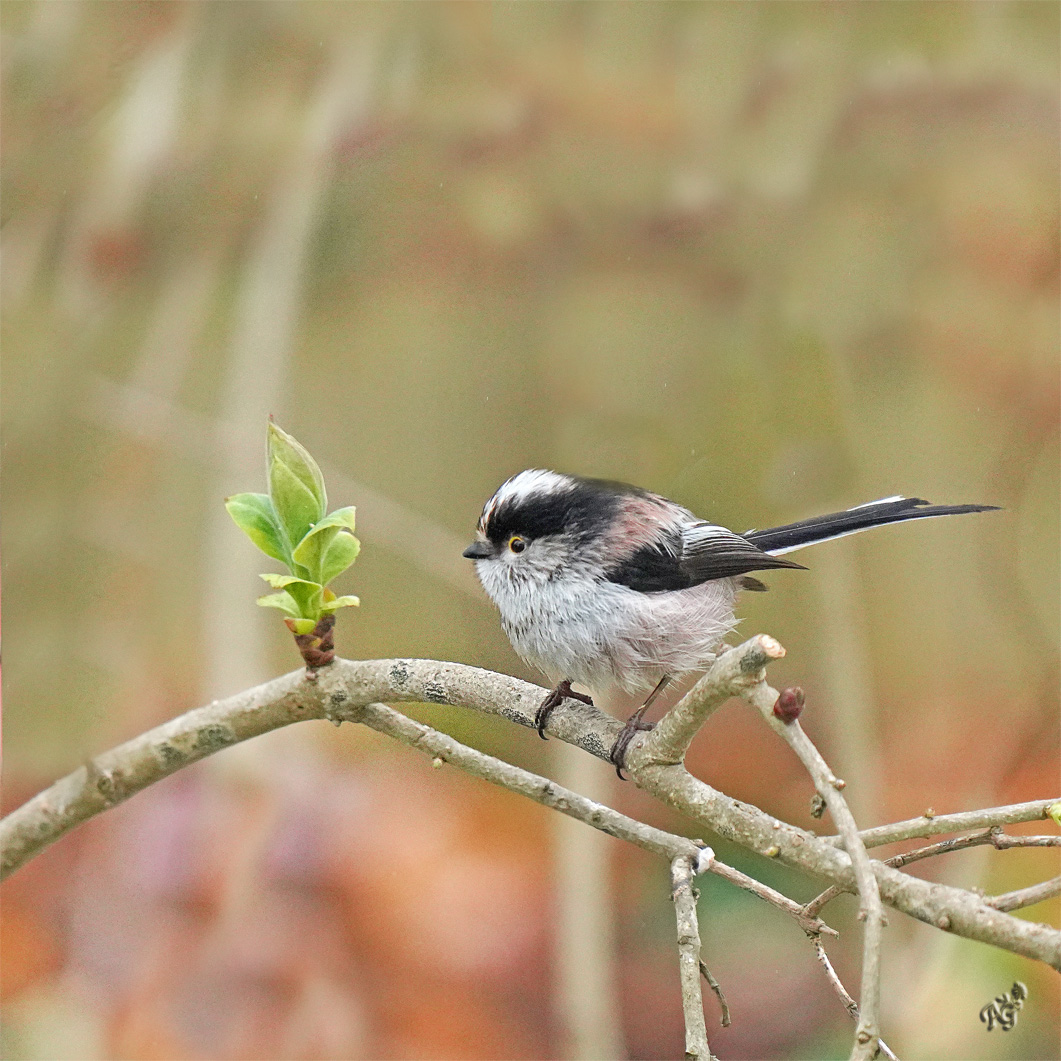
[710,551]
[694,553]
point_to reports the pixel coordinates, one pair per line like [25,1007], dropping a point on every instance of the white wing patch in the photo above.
[699,536]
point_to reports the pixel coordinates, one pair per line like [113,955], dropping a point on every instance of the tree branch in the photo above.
[732,673]
[115,776]
[345,686]
[993,836]
[934,824]
[951,909]
[829,786]
[1037,893]
[445,749]
[809,923]
[682,871]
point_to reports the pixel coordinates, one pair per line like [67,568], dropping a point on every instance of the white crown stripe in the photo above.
[524,484]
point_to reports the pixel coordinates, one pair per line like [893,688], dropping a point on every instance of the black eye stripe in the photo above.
[580,510]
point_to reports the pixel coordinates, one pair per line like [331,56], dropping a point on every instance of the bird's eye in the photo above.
[517,544]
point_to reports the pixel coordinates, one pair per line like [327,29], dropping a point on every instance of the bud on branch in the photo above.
[290,524]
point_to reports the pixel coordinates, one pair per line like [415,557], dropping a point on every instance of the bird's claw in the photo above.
[634,724]
[552,701]
[545,709]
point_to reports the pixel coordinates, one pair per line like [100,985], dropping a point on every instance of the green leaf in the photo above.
[295,504]
[329,548]
[341,517]
[340,602]
[308,596]
[340,554]
[278,581]
[1054,810]
[284,601]
[255,516]
[291,524]
[295,484]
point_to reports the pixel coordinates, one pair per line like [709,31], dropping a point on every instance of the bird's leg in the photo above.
[634,724]
[553,700]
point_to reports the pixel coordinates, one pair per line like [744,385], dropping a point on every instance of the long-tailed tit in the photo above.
[608,585]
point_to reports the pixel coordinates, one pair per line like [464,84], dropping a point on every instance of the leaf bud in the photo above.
[789,704]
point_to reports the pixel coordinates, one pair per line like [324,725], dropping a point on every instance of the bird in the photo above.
[607,585]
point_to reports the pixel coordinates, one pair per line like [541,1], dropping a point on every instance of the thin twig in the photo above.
[1004,841]
[682,871]
[542,790]
[808,922]
[933,824]
[1037,893]
[732,672]
[715,986]
[828,786]
[838,986]
[994,836]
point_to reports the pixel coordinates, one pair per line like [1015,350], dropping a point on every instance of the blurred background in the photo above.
[768,259]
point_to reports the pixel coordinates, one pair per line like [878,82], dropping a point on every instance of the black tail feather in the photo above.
[876,514]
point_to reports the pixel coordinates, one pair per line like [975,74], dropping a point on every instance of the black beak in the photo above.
[478,551]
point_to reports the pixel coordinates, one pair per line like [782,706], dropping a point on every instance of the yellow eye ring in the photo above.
[516,544]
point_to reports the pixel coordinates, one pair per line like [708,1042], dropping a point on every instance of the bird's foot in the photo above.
[634,724]
[553,700]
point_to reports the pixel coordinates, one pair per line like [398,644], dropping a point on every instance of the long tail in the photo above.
[778,540]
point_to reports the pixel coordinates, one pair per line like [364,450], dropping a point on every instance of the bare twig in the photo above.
[842,993]
[692,859]
[1003,841]
[993,836]
[809,923]
[542,790]
[732,672]
[346,685]
[682,871]
[934,824]
[837,984]
[1037,893]
[829,787]
[716,987]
